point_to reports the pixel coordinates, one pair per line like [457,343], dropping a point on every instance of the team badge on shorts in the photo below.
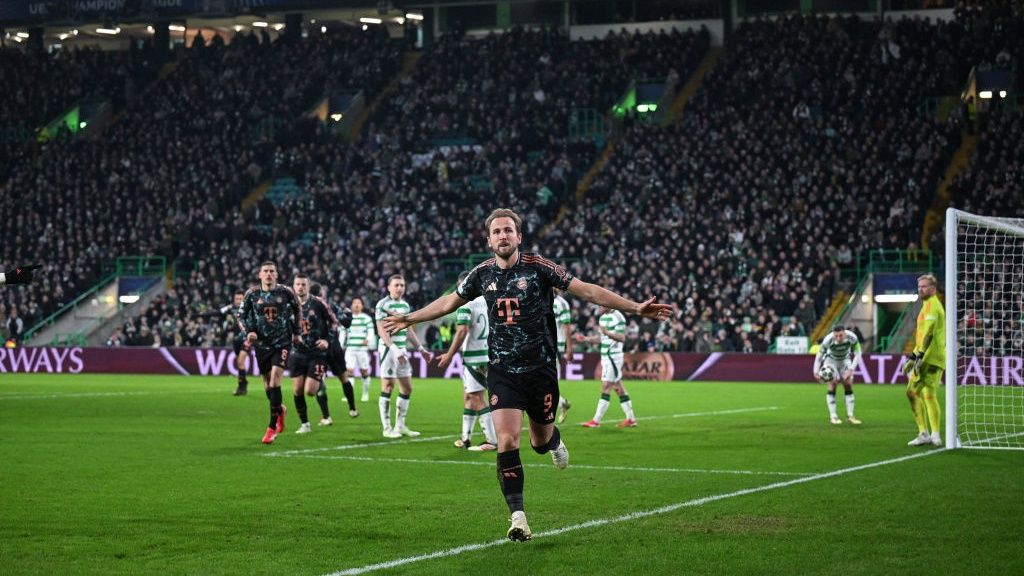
[494,399]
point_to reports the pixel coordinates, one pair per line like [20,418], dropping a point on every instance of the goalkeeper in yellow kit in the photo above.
[925,366]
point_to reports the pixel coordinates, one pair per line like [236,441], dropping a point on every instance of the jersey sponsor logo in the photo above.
[270,312]
[510,311]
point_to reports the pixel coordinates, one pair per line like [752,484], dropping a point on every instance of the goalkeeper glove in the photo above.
[21,274]
[913,363]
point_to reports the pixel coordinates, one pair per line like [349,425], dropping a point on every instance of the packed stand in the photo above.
[803,149]
[993,29]
[991,320]
[396,203]
[170,175]
[40,87]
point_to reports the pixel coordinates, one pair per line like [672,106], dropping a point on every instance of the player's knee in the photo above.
[508,440]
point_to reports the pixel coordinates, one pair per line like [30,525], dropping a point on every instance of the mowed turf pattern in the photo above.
[167,475]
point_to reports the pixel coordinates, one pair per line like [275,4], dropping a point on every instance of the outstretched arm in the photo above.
[604,297]
[443,305]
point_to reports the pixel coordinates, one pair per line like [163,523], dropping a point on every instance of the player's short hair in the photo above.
[269,263]
[838,328]
[314,289]
[301,276]
[504,213]
[239,292]
[929,277]
[395,277]
[462,277]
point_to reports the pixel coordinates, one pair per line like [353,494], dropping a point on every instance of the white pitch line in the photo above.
[571,467]
[58,395]
[628,517]
[358,446]
[710,413]
[450,436]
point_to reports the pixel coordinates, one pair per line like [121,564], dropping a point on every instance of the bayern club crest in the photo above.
[522,284]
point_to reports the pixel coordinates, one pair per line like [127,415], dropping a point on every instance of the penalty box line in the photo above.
[299,452]
[628,517]
[548,466]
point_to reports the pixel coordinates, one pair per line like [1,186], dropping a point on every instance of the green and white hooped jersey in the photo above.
[839,352]
[358,337]
[615,323]
[388,306]
[563,316]
[474,316]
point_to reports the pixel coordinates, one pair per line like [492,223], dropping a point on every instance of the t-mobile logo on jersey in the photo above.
[511,310]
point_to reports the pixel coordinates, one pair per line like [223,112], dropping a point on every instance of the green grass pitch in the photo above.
[166,475]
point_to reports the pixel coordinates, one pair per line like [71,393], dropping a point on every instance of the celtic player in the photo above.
[612,325]
[471,338]
[357,347]
[563,331]
[840,350]
[926,364]
[394,360]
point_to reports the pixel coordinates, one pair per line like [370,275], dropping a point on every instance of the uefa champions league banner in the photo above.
[29,10]
[666,366]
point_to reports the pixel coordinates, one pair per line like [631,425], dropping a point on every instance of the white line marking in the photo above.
[358,446]
[450,436]
[696,414]
[627,517]
[571,467]
[58,395]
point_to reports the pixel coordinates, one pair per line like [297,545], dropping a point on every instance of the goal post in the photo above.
[984,285]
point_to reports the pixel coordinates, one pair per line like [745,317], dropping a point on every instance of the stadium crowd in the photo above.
[803,149]
[171,173]
[56,83]
[419,170]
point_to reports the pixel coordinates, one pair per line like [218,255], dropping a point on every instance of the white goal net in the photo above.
[984,331]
